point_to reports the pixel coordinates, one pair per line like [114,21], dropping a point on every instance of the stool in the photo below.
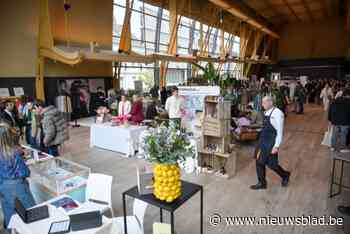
[343,158]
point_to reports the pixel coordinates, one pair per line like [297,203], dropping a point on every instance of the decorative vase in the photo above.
[167,184]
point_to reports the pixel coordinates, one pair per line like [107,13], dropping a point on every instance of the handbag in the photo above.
[327,138]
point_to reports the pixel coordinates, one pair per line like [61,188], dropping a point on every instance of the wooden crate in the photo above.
[213,108]
[223,143]
[218,161]
[215,127]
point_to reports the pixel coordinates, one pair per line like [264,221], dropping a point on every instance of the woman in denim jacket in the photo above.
[13,173]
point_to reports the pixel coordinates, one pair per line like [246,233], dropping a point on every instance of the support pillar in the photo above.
[39,80]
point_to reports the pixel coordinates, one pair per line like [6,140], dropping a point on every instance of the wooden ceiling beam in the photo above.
[291,9]
[275,10]
[324,8]
[243,13]
[308,10]
[348,16]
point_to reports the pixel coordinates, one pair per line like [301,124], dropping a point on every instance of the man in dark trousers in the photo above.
[339,116]
[269,143]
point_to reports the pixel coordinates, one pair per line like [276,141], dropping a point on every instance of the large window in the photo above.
[147,39]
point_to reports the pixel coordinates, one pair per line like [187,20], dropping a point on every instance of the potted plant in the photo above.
[166,147]
[209,73]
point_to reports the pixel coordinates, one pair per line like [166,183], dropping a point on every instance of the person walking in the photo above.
[55,128]
[326,96]
[269,143]
[339,117]
[300,96]
[13,173]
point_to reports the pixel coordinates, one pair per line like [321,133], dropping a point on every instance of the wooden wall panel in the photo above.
[312,40]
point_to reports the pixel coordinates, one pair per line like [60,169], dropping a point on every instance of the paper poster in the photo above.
[194,95]
[19,91]
[194,101]
[4,92]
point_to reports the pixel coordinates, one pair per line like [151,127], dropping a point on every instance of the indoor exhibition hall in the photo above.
[175,117]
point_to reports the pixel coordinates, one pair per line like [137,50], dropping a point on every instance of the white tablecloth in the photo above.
[119,139]
[56,215]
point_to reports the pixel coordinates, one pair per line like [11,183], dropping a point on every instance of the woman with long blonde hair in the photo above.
[13,173]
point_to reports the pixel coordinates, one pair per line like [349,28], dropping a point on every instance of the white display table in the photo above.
[56,215]
[121,139]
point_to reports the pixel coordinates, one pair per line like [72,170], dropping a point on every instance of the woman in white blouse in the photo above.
[326,96]
[124,106]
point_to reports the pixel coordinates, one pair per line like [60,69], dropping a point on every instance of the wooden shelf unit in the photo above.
[215,152]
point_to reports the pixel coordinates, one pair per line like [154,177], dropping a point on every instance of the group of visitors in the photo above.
[42,126]
[147,107]
[122,107]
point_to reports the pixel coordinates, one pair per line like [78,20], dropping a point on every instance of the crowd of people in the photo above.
[139,108]
[45,128]
[42,126]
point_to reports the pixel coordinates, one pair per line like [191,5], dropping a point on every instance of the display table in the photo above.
[120,139]
[56,176]
[188,191]
[56,215]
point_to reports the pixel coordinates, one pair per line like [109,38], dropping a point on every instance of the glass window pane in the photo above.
[120,2]
[136,25]
[150,28]
[236,49]
[118,19]
[166,14]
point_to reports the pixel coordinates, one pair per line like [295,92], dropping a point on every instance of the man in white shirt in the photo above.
[174,106]
[269,143]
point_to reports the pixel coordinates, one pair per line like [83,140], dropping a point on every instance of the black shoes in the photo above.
[284,183]
[344,210]
[285,180]
[258,186]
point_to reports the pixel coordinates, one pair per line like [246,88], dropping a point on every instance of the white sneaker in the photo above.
[345,151]
[332,149]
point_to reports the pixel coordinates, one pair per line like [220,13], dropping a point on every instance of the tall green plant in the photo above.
[209,73]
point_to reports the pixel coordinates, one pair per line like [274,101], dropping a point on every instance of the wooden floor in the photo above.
[301,153]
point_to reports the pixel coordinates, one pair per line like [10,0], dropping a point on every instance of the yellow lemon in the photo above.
[166,189]
[171,179]
[170,173]
[170,199]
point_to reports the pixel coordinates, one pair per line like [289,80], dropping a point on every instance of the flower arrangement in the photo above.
[167,145]
[102,113]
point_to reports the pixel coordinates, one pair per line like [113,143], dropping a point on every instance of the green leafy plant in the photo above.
[210,73]
[147,79]
[167,145]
